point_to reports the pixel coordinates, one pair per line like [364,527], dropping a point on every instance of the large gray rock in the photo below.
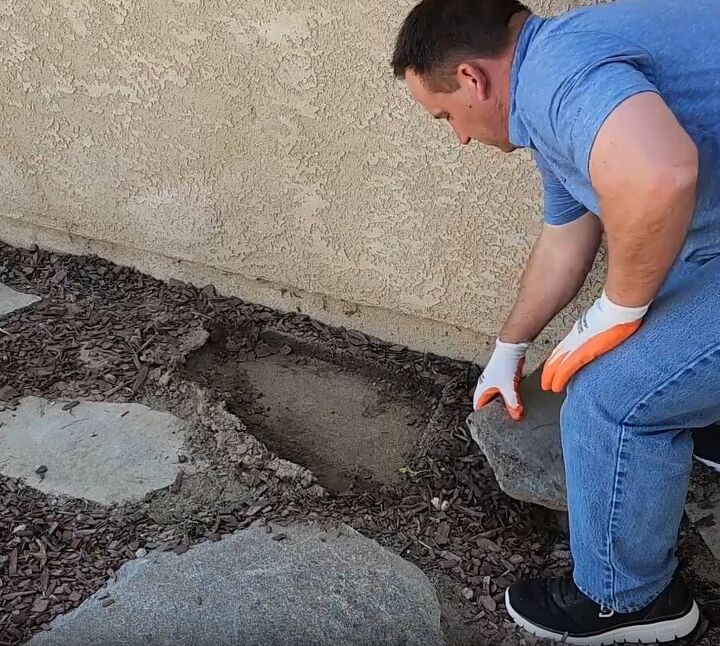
[95,450]
[10,300]
[527,459]
[526,456]
[310,589]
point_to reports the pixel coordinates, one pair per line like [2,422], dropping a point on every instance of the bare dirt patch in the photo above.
[341,423]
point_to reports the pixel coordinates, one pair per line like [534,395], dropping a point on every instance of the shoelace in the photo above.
[563,591]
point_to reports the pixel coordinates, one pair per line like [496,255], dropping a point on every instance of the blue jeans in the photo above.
[626,443]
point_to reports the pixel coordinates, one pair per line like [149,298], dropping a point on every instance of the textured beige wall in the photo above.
[265,145]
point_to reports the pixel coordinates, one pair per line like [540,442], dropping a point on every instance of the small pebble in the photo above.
[42,469]
[182,459]
[107,602]
[142,552]
[468,593]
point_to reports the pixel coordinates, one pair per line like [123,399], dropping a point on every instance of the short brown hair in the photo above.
[438,34]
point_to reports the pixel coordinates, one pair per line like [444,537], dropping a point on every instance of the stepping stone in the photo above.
[10,300]
[311,587]
[94,450]
[526,456]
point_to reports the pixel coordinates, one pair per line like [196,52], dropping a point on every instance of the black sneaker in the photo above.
[556,609]
[707,446]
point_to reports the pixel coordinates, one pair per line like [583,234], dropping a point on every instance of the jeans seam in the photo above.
[617,488]
[614,505]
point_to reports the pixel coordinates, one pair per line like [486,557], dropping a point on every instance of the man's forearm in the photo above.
[559,263]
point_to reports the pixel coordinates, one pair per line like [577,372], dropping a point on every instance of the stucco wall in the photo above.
[265,146]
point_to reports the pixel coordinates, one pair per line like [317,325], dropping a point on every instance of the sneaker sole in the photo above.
[664,631]
[708,463]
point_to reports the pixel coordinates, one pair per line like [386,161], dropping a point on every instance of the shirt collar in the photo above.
[517,131]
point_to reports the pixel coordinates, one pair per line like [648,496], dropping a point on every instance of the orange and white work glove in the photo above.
[603,327]
[502,377]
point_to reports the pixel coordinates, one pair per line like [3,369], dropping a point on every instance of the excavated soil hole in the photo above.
[342,422]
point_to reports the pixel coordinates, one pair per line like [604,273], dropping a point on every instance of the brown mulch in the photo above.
[55,555]
[106,332]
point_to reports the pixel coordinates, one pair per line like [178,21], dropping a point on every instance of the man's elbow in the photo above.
[674,179]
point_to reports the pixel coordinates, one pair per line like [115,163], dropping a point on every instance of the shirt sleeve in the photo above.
[559,207]
[573,81]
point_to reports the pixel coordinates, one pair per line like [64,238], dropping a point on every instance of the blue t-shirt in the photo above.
[570,72]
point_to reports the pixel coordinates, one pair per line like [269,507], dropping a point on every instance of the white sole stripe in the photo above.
[708,463]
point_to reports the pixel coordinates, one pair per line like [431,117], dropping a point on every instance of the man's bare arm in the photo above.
[559,263]
[643,167]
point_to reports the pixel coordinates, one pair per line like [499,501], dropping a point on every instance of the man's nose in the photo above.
[463,139]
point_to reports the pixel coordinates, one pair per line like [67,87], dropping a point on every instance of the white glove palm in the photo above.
[502,377]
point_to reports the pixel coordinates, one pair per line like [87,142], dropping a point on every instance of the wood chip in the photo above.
[487,545]
[141,378]
[177,483]
[442,534]
[488,603]
[45,579]
[59,276]
[40,605]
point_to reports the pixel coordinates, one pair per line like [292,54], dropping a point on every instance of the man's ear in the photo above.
[473,79]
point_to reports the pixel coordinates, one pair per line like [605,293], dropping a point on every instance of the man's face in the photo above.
[470,110]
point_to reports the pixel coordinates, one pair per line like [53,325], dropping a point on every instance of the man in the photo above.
[620,107]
